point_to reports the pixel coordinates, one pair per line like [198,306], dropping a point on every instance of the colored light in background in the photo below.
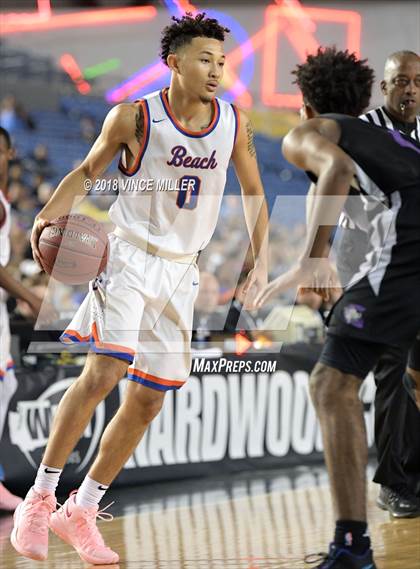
[101,68]
[44,8]
[133,85]
[237,86]
[179,7]
[287,18]
[152,74]
[69,64]
[12,23]
[296,7]
[242,344]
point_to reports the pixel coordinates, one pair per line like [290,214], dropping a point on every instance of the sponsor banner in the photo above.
[229,416]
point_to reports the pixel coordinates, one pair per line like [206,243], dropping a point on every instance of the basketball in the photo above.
[74,249]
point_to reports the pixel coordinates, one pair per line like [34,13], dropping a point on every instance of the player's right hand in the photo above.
[330,289]
[309,273]
[39,225]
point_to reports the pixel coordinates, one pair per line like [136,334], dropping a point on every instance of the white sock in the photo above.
[90,493]
[47,478]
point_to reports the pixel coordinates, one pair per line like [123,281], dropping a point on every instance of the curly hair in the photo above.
[184,29]
[333,81]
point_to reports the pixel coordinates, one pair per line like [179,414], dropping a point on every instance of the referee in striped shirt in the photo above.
[397,419]
[400,110]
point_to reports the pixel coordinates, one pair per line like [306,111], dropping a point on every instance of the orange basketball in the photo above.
[74,249]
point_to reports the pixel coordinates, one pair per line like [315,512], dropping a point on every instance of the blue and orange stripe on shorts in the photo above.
[153,381]
[104,348]
[10,365]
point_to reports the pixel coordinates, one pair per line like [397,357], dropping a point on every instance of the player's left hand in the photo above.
[255,283]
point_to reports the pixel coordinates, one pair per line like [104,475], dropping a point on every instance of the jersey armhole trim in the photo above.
[3,214]
[237,123]
[137,163]
[3,208]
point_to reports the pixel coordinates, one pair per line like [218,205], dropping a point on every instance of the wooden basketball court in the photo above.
[272,530]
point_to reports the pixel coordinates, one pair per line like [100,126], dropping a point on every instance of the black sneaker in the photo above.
[342,558]
[399,501]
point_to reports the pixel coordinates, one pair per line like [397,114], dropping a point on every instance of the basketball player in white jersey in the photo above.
[8,285]
[137,316]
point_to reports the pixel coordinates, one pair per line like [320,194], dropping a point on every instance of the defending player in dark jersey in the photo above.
[381,307]
[397,420]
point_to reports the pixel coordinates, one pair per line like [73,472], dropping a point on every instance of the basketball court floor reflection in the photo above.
[266,520]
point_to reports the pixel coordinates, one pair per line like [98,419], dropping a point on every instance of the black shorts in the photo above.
[350,355]
[391,316]
[359,357]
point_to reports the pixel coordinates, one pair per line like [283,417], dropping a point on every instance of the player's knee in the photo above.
[148,403]
[96,385]
[151,410]
[318,383]
[330,388]
[99,378]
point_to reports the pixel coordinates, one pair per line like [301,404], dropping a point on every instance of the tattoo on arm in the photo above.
[139,125]
[250,135]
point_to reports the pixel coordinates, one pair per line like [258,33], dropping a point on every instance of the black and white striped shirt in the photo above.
[353,222]
[381,117]
[387,171]
[354,217]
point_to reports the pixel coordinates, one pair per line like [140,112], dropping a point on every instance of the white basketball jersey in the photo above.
[5,232]
[172,194]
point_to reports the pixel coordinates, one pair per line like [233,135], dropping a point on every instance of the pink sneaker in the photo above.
[30,533]
[8,501]
[77,526]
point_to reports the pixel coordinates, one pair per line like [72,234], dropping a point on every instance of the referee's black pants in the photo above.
[397,425]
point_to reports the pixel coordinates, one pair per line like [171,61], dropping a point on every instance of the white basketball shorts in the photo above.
[8,382]
[140,310]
